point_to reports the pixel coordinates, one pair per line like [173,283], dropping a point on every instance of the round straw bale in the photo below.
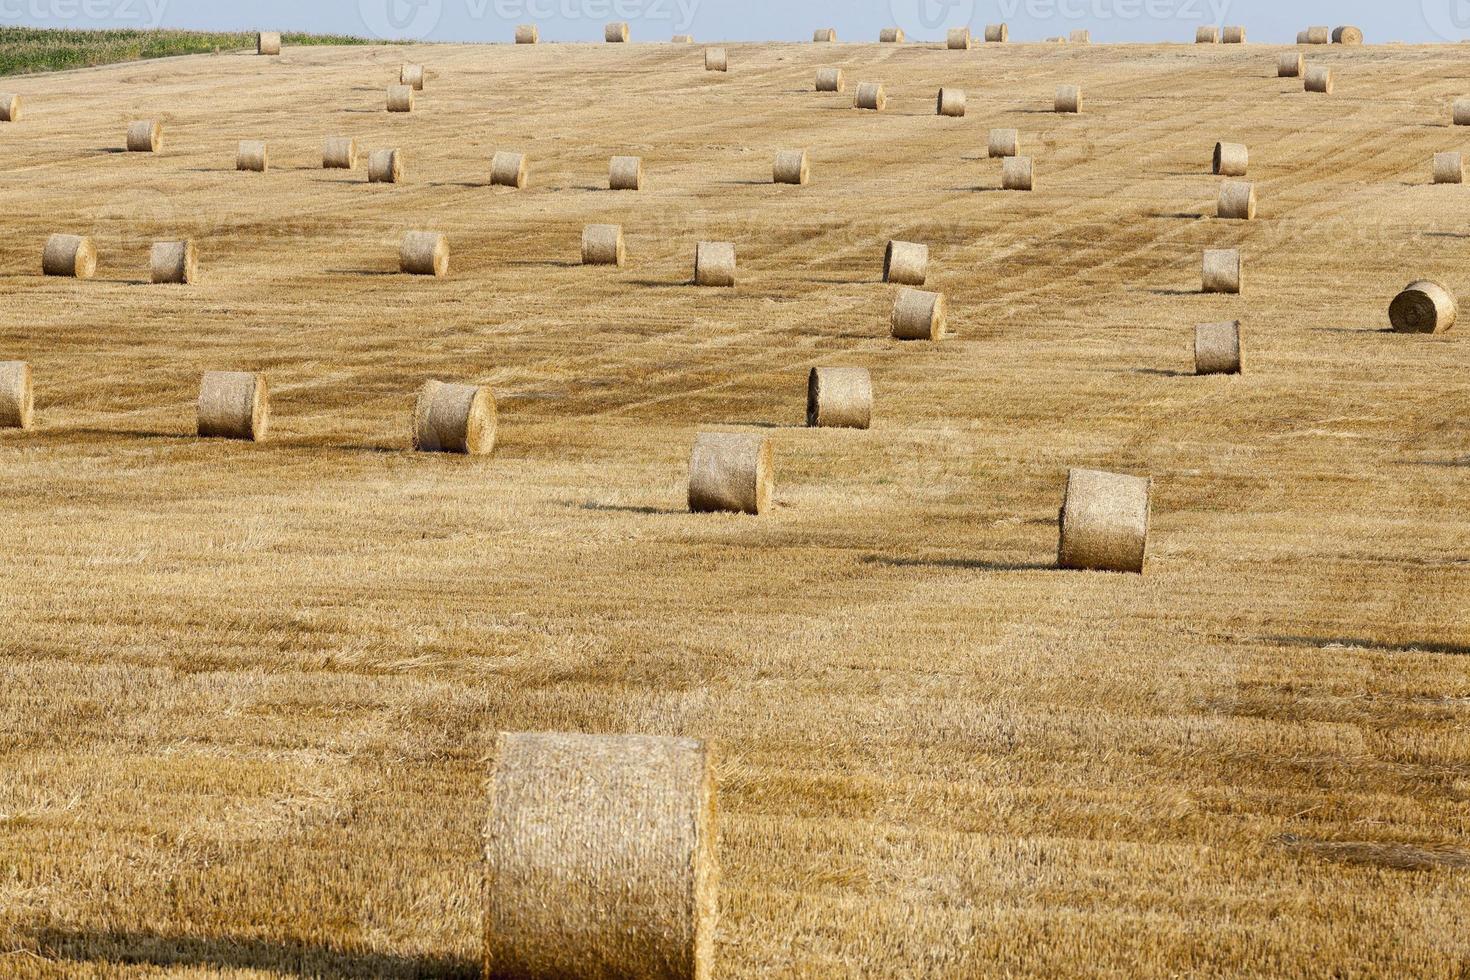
[9,107]
[454,418]
[951,102]
[1221,271]
[959,39]
[682,39]
[1104,522]
[1314,35]
[870,95]
[603,245]
[791,168]
[625,174]
[1291,65]
[730,471]
[528,34]
[73,256]
[1004,143]
[714,264]
[1056,40]
[600,858]
[715,59]
[508,169]
[1080,37]
[1217,348]
[1017,174]
[412,76]
[424,253]
[1319,79]
[339,153]
[905,263]
[1462,112]
[233,405]
[1424,306]
[918,315]
[400,98]
[145,136]
[1207,35]
[1449,168]
[825,35]
[252,156]
[385,167]
[174,262]
[831,80]
[1347,35]
[616,32]
[17,402]
[268,42]
[1230,160]
[891,35]
[1069,99]
[997,33]
[839,398]
[1233,35]
[1237,200]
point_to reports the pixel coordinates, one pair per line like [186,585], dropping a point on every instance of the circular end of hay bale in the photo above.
[870,95]
[1069,99]
[339,153]
[905,263]
[825,35]
[385,166]
[412,76]
[1319,79]
[400,98]
[174,262]
[714,264]
[1449,168]
[508,170]
[1230,160]
[615,33]
[454,418]
[958,39]
[1347,35]
[1217,348]
[1424,306]
[424,253]
[145,136]
[831,80]
[268,43]
[1237,201]
[730,472]
[1207,35]
[17,400]
[72,256]
[891,35]
[1017,174]
[10,107]
[716,59]
[839,398]
[1291,65]
[997,33]
[233,405]
[1315,35]
[918,315]
[1222,271]
[528,34]
[791,167]
[1104,522]
[252,156]
[1004,143]
[625,174]
[951,102]
[1233,35]
[603,245]
[600,857]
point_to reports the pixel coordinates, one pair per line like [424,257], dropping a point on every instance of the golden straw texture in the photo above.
[791,167]
[918,315]
[731,471]
[424,253]
[1017,174]
[385,166]
[1237,201]
[268,42]
[69,255]
[831,80]
[625,174]
[1069,99]
[870,95]
[958,39]
[1319,79]
[339,153]
[891,35]
[714,264]
[951,102]
[905,263]
[1004,143]
[1449,168]
[400,98]
[174,262]
[145,136]
[603,245]
[997,33]
[528,34]
[10,107]
[412,76]
[508,170]
[233,405]
[17,400]
[1230,160]
[825,35]
[1292,64]
[839,398]
[1347,35]
[1222,271]
[454,418]
[716,59]
[615,33]
[252,156]
[1207,35]
[1104,522]
[1233,35]
[1423,306]
[1217,348]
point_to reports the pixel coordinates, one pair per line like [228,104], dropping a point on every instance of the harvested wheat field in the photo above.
[250,688]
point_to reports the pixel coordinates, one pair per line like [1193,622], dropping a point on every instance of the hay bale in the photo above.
[730,471]
[1217,348]
[625,174]
[268,43]
[682,39]
[1069,98]
[252,156]
[715,59]
[424,253]
[174,262]
[1207,35]
[1314,35]
[603,245]
[870,95]
[600,858]
[890,35]
[918,315]
[508,170]
[839,398]
[831,80]
[825,35]
[1004,143]
[454,418]
[412,76]
[73,256]
[714,264]
[1237,201]
[997,33]
[1424,306]
[1233,35]
[17,401]
[339,153]
[10,107]
[528,34]
[951,102]
[958,39]
[616,33]
[1221,271]
[385,167]
[1449,168]
[1347,35]
[1319,79]
[906,263]
[1462,112]
[1080,37]
[1056,40]
[1230,160]
[1291,65]
[791,168]
[233,405]
[1017,174]
[400,98]
[1104,522]
[145,136]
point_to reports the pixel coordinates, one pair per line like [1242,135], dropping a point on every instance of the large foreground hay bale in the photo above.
[339,153]
[918,315]
[400,98]
[508,170]
[615,33]
[1206,35]
[1004,143]
[625,174]
[1449,168]
[839,398]
[233,405]
[905,263]
[1017,174]
[145,136]
[1347,35]
[1424,306]
[252,156]
[714,264]
[716,59]
[385,166]
[890,35]
[424,253]
[1230,160]
[1221,271]
[1233,35]
[870,95]
[1069,99]
[1291,65]
[791,167]
[454,418]
[997,33]
[10,107]
[1237,201]
[268,43]
[603,245]
[1319,79]
[174,262]
[730,471]
[831,80]
[73,256]
[1314,35]
[958,39]
[824,35]
[1104,522]
[17,400]
[412,76]
[600,858]
[528,34]
[951,102]
[1217,348]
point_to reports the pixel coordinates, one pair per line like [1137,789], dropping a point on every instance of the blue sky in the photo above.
[742,20]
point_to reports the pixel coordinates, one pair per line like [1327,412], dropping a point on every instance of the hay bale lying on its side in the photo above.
[252,156]
[682,39]
[1347,35]
[174,262]
[1449,168]
[73,256]
[625,174]
[10,108]
[918,315]
[600,858]
[1217,348]
[1424,306]
[412,76]
[714,264]
[615,33]
[791,168]
[508,170]
[17,401]
[1104,522]
[454,418]
[339,153]
[997,33]
[1291,65]
[268,42]
[233,405]
[400,98]
[839,398]
[1319,79]
[951,102]
[1221,271]
[1233,35]
[385,167]
[1017,174]
[890,35]
[905,263]
[1004,143]
[1462,112]
[1230,160]
[715,59]
[603,245]
[1237,201]
[870,95]
[825,35]
[1080,37]
[831,80]
[1314,35]
[730,471]
[1069,99]
[424,253]
[1207,35]
[528,34]
[145,136]
[959,39]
